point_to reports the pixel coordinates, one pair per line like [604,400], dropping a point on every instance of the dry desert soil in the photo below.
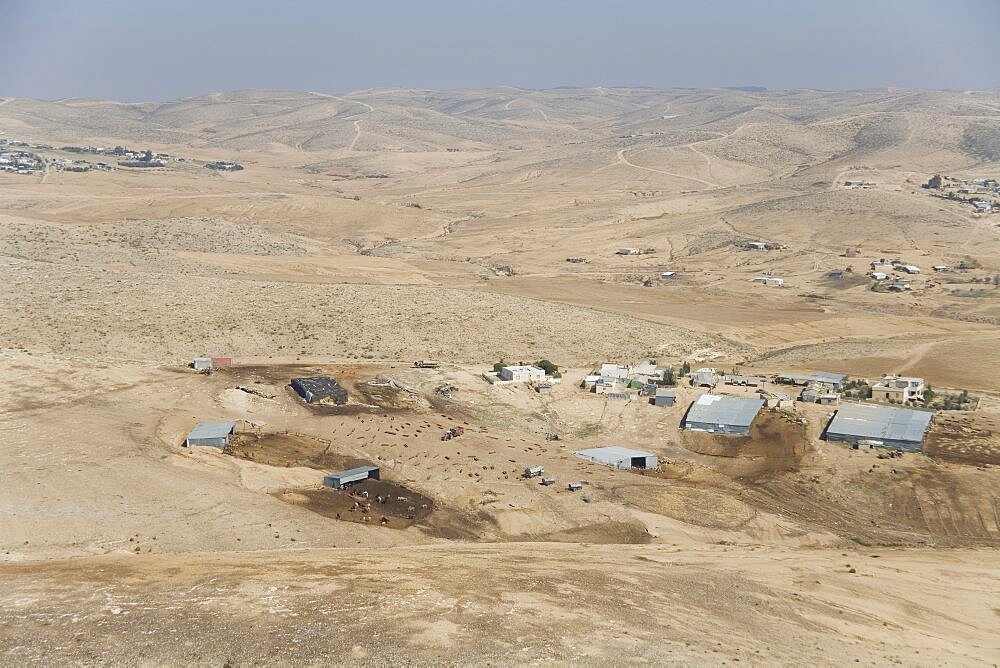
[373,229]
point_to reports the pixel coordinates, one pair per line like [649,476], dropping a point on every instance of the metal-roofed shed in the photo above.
[722,415]
[215,434]
[620,458]
[664,398]
[881,425]
[318,388]
[342,479]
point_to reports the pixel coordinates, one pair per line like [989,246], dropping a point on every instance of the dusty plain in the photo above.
[385,226]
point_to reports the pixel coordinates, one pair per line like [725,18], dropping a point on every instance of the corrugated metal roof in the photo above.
[880,423]
[828,377]
[360,470]
[212,430]
[666,393]
[715,409]
[611,454]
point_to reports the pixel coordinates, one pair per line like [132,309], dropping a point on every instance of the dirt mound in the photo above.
[776,442]
[889,505]
[967,439]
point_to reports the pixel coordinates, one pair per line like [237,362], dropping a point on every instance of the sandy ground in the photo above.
[566,603]
[374,229]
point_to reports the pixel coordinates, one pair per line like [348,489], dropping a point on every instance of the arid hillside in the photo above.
[304,233]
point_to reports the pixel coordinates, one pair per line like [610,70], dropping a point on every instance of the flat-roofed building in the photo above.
[521,374]
[722,415]
[879,425]
[893,389]
[214,434]
[343,479]
[620,458]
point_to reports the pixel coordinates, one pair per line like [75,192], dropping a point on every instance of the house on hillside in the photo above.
[522,374]
[893,389]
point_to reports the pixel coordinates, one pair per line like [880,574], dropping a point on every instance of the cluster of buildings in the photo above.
[224,166]
[885,271]
[67,165]
[968,190]
[763,245]
[21,162]
[623,381]
[635,251]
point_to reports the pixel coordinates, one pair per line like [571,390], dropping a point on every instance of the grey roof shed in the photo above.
[621,458]
[897,427]
[342,479]
[722,415]
[664,398]
[317,388]
[215,434]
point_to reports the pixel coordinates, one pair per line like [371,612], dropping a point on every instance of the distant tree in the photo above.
[669,376]
[147,156]
[547,366]
[499,365]
[928,394]
[685,368]
[934,182]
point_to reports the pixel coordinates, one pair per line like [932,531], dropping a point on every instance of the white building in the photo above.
[910,269]
[617,371]
[770,281]
[521,374]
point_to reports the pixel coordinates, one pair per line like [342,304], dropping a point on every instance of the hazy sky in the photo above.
[164,49]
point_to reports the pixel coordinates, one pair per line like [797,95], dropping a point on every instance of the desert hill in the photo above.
[306,233]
